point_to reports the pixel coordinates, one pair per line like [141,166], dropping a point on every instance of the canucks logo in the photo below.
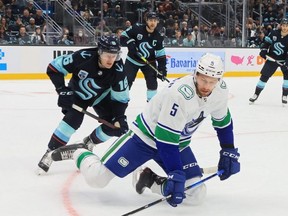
[186,91]
[191,126]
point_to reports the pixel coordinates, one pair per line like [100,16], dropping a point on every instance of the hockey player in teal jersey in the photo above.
[146,41]
[275,50]
[97,81]
[163,132]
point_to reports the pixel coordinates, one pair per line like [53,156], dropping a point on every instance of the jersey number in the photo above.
[67,60]
[123,84]
[174,109]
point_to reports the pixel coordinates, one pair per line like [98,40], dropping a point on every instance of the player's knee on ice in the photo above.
[195,196]
[95,173]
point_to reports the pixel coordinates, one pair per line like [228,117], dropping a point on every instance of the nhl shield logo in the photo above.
[82,74]
[139,36]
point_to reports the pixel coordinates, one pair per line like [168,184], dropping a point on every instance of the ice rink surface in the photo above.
[29,115]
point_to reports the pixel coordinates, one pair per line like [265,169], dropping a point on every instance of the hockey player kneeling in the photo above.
[163,131]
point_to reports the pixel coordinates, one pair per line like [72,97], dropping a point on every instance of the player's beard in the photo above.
[151,29]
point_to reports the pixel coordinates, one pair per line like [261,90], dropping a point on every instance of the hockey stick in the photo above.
[204,171]
[269,58]
[209,170]
[218,173]
[148,63]
[80,109]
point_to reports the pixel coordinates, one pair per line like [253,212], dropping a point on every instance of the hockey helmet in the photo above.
[109,44]
[284,21]
[151,15]
[210,65]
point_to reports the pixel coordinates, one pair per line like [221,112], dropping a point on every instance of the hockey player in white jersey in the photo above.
[163,131]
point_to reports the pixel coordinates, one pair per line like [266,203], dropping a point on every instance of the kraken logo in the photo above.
[144,47]
[88,87]
[278,48]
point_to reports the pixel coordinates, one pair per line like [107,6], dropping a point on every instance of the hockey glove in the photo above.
[162,74]
[228,162]
[121,122]
[284,67]
[138,56]
[263,53]
[65,99]
[174,186]
[133,51]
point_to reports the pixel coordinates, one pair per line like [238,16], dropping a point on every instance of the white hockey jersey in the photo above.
[175,113]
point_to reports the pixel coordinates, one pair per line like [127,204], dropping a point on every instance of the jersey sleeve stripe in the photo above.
[222,123]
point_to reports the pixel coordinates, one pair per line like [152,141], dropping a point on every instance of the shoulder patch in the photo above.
[186,91]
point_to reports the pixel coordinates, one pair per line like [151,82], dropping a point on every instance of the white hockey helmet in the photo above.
[210,65]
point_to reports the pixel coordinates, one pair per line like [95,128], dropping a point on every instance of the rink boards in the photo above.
[30,62]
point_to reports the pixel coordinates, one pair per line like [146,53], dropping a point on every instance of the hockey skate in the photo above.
[89,144]
[45,162]
[146,179]
[253,98]
[66,152]
[284,100]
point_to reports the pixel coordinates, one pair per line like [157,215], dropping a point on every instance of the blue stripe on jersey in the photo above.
[261,84]
[101,135]
[285,84]
[268,39]
[185,139]
[64,131]
[160,53]
[146,125]
[168,129]
[150,94]
[57,63]
[131,40]
[122,96]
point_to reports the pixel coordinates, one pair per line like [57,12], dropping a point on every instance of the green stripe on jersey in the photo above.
[81,158]
[119,142]
[143,128]
[222,122]
[166,135]
[184,144]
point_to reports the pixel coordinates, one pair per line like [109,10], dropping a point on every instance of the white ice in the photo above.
[29,115]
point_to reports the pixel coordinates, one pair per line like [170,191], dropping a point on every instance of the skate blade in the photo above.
[39,171]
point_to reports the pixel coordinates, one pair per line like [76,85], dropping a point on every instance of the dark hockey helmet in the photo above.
[151,15]
[109,44]
[284,21]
